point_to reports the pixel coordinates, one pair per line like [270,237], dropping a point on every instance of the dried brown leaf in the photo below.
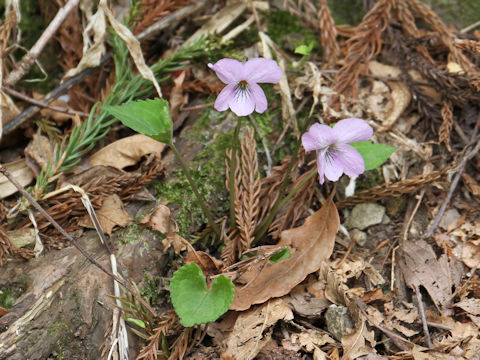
[471,306]
[252,330]
[111,214]
[126,152]
[20,171]
[472,185]
[420,267]
[354,344]
[310,245]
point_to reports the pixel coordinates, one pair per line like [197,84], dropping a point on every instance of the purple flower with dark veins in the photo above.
[334,155]
[242,94]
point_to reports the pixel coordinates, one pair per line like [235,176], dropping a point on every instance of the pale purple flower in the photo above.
[242,94]
[334,155]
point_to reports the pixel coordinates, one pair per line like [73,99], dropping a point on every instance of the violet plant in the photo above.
[343,148]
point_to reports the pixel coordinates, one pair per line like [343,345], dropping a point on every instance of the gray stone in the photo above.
[338,321]
[359,236]
[365,215]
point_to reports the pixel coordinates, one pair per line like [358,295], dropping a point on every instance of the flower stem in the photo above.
[231,173]
[199,197]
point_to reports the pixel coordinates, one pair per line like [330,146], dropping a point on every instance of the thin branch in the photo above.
[29,59]
[41,104]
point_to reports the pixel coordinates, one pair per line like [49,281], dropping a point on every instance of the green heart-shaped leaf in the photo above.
[148,117]
[193,302]
[374,155]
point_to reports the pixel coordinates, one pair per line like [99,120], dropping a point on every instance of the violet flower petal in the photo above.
[352,130]
[321,166]
[261,103]
[243,101]
[318,137]
[333,165]
[261,70]
[225,97]
[353,163]
[229,70]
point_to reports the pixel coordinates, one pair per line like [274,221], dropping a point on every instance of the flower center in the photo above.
[243,84]
[242,91]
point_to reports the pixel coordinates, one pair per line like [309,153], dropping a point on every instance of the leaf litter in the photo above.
[415,80]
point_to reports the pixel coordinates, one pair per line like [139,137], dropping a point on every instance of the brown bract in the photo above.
[310,245]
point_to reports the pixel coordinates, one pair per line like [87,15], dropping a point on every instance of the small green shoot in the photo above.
[373,154]
[137,322]
[193,302]
[305,50]
[282,254]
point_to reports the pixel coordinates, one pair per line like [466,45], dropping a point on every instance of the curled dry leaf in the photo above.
[111,214]
[126,152]
[400,95]
[161,220]
[354,344]
[252,330]
[310,245]
[20,172]
[39,152]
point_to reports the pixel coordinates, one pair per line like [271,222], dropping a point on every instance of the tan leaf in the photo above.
[20,171]
[311,339]
[126,152]
[159,219]
[471,184]
[207,263]
[111,214]
[420,266]
[471,306]
[252,330]
[177,97]
[176,241]
[40,149]
[354,344]
[310,245]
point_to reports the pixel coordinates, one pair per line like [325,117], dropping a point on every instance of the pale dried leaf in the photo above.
[20,171]
[112,213]
[159,219]
[310,340]
[126,152]
[306,305]
[252,329]
[133,46]
[207,263]
[310,245]
[177,98]
[92,53]
[175,241]
[471,306]
[22,237]
[354,344]
[40,149]
[399,97]
[472,185]
[420,267]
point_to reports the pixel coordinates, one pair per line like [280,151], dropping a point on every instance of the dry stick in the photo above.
[47,216]
[454,183]
[421,309]
[41,104]
[32,55]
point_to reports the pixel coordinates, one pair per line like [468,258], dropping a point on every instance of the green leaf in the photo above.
[137,322]
[193,302]
[304,49]
[374,155]
[148,117]
[283,254]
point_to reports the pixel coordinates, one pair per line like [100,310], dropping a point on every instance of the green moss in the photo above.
[460,13]
[130,234]
[150,288]
[369,179]
[7,298]
[346,11]
[287,32]
[63,336]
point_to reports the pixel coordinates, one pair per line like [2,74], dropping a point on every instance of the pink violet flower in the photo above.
[242,94]
[334,155]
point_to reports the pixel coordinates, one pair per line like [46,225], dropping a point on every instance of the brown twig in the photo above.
[30,57]
[459,171]
[421,310]
[41,104]
[89,257]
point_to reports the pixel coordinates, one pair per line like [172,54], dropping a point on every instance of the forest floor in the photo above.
[383,266]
